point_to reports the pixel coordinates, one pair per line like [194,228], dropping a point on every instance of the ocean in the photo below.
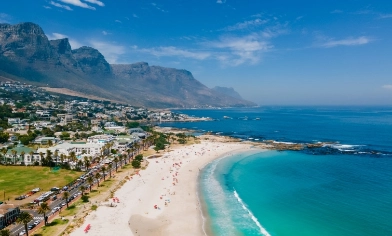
[342,188]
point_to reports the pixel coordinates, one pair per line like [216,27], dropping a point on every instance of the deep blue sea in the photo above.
[342,188]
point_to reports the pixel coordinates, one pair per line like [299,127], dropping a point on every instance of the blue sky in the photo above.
[272,52]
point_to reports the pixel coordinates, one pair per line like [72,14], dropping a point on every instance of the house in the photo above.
[103,139]
[12,121]
[45,140]
[8,214]
[21,153]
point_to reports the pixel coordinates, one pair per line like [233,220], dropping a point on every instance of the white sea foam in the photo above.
[262,230]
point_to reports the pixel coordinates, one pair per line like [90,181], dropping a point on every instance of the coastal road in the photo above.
[75,194]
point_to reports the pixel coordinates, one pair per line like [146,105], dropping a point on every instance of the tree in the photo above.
[43,208]
[49,158]
[5,232]
[4,137]
[4,151]
[42,158]
[116,161]
[97,177]
[24,218]
[139,157]
[90,181]
[82,188]
[110,166]
[66,196]
[14,152]
[31,155]
[22,154]
[136,164]
[103,169]
[72,156]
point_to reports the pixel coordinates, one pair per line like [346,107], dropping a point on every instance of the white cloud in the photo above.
[4,18]
[111,51]
[118,21]
[346,42]
[56,4]
[173,51]
[158,8]
[220,1]
[387,86]
[74,43]
[78,3]
[384,16]
[104,32]
[134,15]
[336,11]
[246,25]
[47,7]
[239,50]
[99,3]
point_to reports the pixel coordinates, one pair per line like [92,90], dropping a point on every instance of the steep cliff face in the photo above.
[227,91]
[91,61]
[169,87]
[25,42]
[27,54]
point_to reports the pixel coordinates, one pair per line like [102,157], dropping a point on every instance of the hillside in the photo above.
[27,55]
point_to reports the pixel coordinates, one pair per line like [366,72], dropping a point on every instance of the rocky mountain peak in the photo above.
[91,60]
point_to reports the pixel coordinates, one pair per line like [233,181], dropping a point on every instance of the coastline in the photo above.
[169,184]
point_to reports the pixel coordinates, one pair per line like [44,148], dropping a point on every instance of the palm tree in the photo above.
[121,158]
[49,158]
[43,208]
[22,154]
[31,155]
[90,181]
[5,232]
[72,156]
[62,158]
[110,166]
[42,158]
[4,151]
[24,218]
[103,169]
[128,152]
[66,196]
[116,161]
[79,164]
[14,155]
[82,188]
[98,176]
[56,155]
[86,162]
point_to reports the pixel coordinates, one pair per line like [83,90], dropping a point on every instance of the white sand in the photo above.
[135,214]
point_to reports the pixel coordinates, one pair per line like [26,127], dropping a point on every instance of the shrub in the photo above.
[94,207]
[136,164]
[85,198]
[139,157]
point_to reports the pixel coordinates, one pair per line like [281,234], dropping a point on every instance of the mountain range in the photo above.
[27,55]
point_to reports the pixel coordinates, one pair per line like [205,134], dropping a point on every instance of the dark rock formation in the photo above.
[27,55]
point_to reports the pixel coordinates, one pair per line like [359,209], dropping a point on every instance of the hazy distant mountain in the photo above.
[27,55]
[227,91]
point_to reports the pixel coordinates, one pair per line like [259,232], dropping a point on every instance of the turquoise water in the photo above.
[292,193]
[341,188]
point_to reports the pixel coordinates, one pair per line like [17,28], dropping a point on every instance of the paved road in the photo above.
[59,202]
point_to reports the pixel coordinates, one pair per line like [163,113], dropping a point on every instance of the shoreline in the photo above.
[152,203]
[207,225]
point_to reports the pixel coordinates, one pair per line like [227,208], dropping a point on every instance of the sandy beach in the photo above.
[162,199]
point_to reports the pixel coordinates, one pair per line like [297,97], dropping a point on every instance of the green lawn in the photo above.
[18,180]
